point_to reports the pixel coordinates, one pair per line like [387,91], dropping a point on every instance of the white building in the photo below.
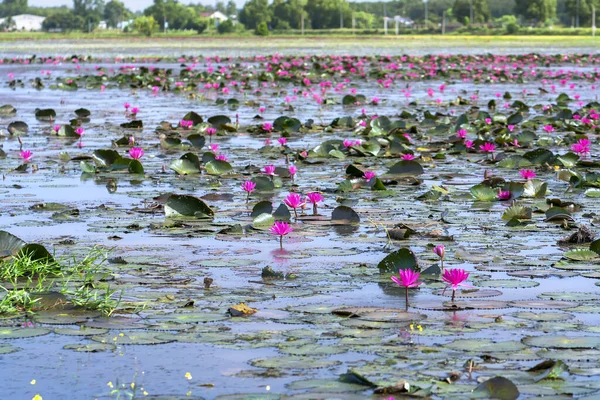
[26,22]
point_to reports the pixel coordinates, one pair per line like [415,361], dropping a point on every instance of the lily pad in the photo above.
[187,206]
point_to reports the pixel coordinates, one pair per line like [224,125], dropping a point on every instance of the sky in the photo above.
[134,5]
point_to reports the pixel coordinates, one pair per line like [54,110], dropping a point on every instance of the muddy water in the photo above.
[336,266]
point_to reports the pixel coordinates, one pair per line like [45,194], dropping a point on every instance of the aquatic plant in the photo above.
[281,229]
[407,278]
[455,277]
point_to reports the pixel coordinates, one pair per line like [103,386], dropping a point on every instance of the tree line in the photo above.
[265,15]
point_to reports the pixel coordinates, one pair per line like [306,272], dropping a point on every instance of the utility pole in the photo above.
[426,11]
[593,21]
[397,32]
[353,24]
[341,16]
[444,22]
[577,18]
[471,15]
[385,21]
[302,22]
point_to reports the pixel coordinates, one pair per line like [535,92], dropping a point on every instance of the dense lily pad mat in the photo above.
[372,161]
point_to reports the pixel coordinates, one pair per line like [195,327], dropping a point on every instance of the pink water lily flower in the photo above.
[281,229]
[527,174]
[221,157]
[455,277]
[368,175]
[214,148]
[487,147]
[80,131]
[56,128]
[248,187]
[134,111]
[461,133]
[136,153]
[26,155]
[440,251]
[210,131]
[582,147]
[407,157]
[511,128]
[314,198]
[292,170]
[267,127]
[269,170]
[504,195]
[469,144]
[294,201]
[548,128]
[126,105]
[407,278]
[282,141]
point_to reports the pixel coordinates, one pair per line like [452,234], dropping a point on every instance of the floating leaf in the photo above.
[344,215]
[483,192]
[581,255]
[399,260]
[263,221]
[218,167]
[563,342]
[498,388]
[187,206]
[404,168]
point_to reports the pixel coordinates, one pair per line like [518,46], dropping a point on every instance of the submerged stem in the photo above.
[406,293]
[453,294]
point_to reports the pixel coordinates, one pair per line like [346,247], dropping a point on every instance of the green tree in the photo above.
[231,8]
[85,8]
[328,14]
[537,11]
[262,29]
[585,11]
[13,7]
[145,25]
[499,8]
[115,12]
[64,21]
[481,10]
[174,13]
[288,14]
[226,27]
[364,20]
[220,6]
[254,12]
[197,24]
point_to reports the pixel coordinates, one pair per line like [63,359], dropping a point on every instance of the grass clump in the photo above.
[25,279]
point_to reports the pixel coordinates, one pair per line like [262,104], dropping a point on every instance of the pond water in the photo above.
[531,297]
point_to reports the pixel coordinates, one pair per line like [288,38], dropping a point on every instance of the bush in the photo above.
[262,29]
[512,28]
[145,25]
[63,21]
[226,27]
[197,24]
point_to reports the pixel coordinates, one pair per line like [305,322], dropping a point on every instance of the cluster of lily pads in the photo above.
[439,149]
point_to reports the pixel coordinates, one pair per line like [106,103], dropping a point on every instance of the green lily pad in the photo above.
[581,255]
[485,345]
[187,206]
[294,362]
[498,388]
[218,167]
[91,347]
[399,260]
[130,338]
[563,342]
[20,333]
